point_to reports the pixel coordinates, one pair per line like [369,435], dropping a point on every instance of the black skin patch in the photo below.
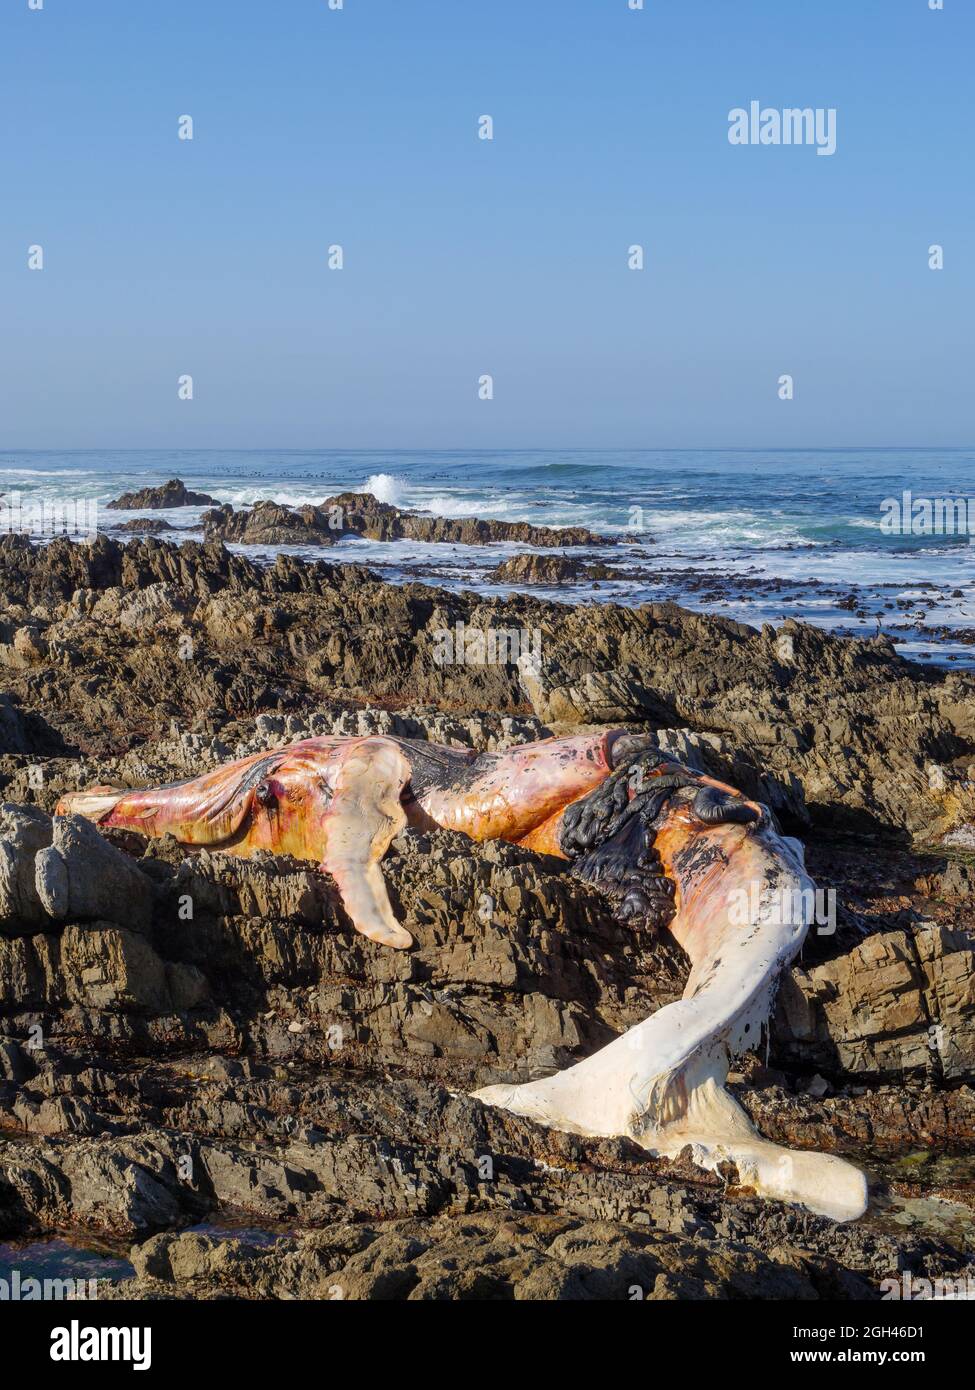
[699,856]
[445,769]
[609,834]
[627,868]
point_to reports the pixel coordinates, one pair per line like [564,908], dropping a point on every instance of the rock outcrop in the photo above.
[901,1004]
[76,873]
[547,570]
[360,514]
[175,493]
[269,523]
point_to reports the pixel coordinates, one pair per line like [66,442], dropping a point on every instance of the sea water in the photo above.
[758,536]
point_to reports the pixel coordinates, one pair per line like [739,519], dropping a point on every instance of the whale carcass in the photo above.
[670,847]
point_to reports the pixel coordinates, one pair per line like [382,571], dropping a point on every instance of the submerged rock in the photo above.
[145,526]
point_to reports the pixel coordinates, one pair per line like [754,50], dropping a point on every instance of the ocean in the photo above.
[758,536]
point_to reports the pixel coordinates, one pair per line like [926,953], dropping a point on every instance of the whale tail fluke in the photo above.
[662,1083]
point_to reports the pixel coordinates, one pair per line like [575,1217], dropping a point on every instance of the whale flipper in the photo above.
[365,813]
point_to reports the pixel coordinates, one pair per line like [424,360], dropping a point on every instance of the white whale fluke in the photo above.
[745,904]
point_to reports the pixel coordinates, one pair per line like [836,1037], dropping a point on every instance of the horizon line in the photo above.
[482,449]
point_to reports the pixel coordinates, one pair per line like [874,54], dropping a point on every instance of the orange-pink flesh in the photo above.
[211,811]
[528,787]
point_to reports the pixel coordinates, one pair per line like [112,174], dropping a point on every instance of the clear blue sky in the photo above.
[465,257]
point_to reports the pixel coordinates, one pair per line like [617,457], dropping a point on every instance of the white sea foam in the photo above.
[446,504]
[297,496]
[385,487]
[45,472]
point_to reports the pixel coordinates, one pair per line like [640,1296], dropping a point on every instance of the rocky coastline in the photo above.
[571,563]
[201,1064]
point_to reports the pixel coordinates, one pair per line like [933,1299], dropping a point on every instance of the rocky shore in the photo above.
[570,564]
[201,1063]
[359,514]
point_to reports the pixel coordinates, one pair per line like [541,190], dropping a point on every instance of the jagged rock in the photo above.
[53,870]
[24,832]
[23,973]
[893,1118]
[538,569]
[955,879]
[360,514]
[270,523]
[489,1256]
[80,876]
[172,494]
[599,697]
[548,570]
[146,610]
[127,1186]
[271,888]
[111,968]
[363,515]
[14,1063]
[900,1003]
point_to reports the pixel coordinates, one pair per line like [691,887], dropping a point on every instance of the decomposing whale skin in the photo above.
[334,801]
[744,905]
[667,844]
[339,802]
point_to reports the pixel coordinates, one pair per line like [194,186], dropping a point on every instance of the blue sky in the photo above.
[464,257]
